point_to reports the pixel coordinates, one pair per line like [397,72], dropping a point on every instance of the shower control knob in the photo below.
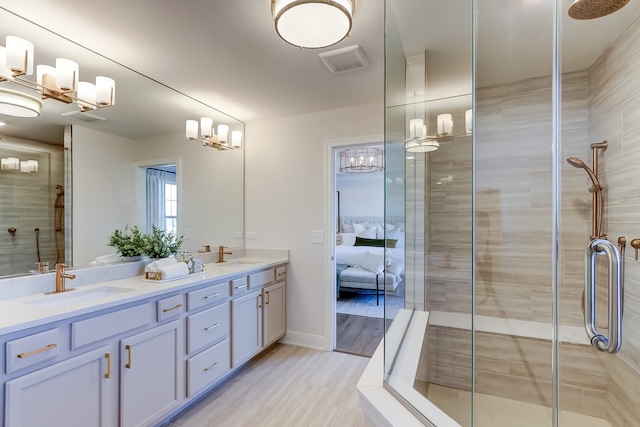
[635,244]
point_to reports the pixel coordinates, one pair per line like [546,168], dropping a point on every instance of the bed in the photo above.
[366,261]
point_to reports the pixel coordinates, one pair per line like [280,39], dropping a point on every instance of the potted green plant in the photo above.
[129,242]
[162,243]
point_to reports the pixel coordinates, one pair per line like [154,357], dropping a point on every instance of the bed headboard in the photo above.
[377,220]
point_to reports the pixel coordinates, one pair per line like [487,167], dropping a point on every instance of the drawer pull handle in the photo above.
[208,328]
[267,301]
[241,286]
[108,357]
[40,350]
[128,365]
[212,295]
[172,308]
[282,274]
[211,367]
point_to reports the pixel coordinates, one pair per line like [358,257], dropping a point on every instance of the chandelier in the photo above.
[361,160]
[420,142]
[60,82]
[313,24]
[208,136]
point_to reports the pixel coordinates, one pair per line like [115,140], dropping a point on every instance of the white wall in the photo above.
[361,194]
[286,188]
[102,191]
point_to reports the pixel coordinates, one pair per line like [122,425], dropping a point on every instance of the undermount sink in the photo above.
[76,296]
[239,262]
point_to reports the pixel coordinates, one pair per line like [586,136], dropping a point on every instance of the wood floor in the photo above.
[358,335]
[289,386]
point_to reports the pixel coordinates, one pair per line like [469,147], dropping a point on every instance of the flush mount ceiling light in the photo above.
[18,104]
[313,24]
[208,136]
[59,82]
[361,160]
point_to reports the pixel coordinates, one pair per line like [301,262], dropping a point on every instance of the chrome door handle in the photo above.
[613,342]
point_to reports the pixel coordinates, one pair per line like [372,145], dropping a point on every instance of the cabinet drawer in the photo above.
[261,278]
[281,273]
[239,286]
[108,325]
[33,349]
[207,296]
[207,327]
[205,368]
[170,308]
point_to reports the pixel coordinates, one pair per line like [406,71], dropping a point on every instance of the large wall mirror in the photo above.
[91,168]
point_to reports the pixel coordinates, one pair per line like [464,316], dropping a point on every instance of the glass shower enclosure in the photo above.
[512,133]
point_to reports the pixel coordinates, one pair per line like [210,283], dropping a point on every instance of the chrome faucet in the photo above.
[60,276]
[222,253]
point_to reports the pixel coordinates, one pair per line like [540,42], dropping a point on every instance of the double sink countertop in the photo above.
[38,309]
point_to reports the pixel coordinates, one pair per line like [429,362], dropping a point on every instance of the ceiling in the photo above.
[227,54]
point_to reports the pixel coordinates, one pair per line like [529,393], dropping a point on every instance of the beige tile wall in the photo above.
[513,232]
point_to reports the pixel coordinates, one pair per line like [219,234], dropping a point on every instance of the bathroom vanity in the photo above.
[132,352]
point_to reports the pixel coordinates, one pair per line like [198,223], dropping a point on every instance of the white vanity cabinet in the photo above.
[258,319]
[273,311]
[151,374]
[139,363]
[76,392]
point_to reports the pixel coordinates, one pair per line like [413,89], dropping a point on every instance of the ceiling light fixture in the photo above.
[313,24]
[361,160]
[59,82]
[208,136]
[420,142]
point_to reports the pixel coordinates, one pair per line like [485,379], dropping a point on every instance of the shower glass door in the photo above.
[505,223]
[600,152]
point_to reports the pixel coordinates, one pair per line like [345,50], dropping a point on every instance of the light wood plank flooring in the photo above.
[288,386]
[492,411]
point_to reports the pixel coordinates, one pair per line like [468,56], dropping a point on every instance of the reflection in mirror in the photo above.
[96,157]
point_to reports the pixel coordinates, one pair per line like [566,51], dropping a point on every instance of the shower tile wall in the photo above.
[513,237]
[614,115]
[27,202]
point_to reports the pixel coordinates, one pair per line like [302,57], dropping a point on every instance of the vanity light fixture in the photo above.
[361,160]
[420,142]
[313,24]
[208,136]
[15,164]
[60,82]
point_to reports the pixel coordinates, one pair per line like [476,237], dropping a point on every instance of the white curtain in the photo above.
[156,180]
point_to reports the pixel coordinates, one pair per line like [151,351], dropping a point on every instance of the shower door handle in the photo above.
[613,342]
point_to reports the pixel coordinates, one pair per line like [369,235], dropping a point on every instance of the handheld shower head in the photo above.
[577,163]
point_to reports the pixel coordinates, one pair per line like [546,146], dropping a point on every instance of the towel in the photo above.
[106,259]
[174,270]
[162,262]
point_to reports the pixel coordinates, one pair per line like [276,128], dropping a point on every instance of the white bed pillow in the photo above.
[347,228]
[395,265]
[359,228]
[369,233]
[348,239]
[373,262]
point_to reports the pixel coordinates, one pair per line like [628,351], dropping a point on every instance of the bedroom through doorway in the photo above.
[365,276]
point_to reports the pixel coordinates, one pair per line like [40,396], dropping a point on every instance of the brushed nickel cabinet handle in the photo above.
[215,325]
[267,301]
[172,308]
[211,367]
[241,286]
[128,365]
[108,357]
[212,295]
[40,350]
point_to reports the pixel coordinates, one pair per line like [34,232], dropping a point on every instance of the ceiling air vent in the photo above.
[83,117]
[345,59]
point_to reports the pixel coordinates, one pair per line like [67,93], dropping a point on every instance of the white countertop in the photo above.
[24,312]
